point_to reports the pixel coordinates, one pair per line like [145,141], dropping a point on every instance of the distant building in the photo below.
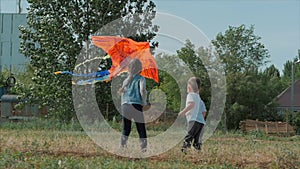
[284,99]
[12,15]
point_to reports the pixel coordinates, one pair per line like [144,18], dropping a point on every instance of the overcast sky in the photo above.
[277,22]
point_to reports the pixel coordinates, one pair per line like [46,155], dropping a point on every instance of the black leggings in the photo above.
[135,112]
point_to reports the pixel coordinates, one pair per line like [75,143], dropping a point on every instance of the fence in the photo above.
[278,128]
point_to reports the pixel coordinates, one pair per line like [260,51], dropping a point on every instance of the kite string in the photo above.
[90,60]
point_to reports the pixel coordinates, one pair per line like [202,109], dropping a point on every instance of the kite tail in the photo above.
[97,74]
[98,77]
[94,80]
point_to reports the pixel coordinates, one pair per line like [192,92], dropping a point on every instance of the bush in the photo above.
[294,120]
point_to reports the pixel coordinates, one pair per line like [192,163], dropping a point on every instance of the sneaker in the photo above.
[143,144]
[183,149]
[185,146]
[124,141]
[197,146]
[144,150]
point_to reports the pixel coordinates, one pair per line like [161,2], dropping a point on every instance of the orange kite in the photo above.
[120,49]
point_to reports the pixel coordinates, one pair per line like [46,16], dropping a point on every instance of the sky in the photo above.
[277,22]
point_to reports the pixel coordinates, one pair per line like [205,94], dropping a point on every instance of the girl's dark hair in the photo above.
[134,68]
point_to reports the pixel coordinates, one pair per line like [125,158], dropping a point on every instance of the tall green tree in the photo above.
[177,69]
[287,71]
[242,54]
[272,81]
[193,58]
[171,76]
[240,49]
[56,32]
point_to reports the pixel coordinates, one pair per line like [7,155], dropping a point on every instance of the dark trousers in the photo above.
[194,131]
[135,112]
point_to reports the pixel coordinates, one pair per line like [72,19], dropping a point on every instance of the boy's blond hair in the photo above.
[194,83]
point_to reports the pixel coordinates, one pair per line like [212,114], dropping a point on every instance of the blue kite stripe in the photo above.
[97,74]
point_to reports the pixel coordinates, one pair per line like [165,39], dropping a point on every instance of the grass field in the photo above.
[32,147]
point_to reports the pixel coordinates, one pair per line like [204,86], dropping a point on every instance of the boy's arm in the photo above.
[189,107]
[204,114]
[204,111]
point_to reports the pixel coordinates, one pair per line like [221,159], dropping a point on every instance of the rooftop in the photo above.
[284,99]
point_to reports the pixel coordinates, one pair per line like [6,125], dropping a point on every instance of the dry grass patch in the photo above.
[225,151]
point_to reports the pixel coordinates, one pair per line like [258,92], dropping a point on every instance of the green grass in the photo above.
[48,144]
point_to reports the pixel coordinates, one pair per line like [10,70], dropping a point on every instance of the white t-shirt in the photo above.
[196,113]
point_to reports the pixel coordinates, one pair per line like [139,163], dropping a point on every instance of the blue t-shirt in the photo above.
[131,94]
[196,113]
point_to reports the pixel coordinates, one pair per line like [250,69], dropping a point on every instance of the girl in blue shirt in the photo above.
[133,98]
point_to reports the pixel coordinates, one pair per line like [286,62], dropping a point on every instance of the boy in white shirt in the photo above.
[195,111]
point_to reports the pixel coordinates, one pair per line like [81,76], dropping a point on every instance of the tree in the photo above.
[56,34]
[175,71]
[287,71]
[242,54]
[171,76]
[272,71]
[193,59]
[239,49]
[272,81]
